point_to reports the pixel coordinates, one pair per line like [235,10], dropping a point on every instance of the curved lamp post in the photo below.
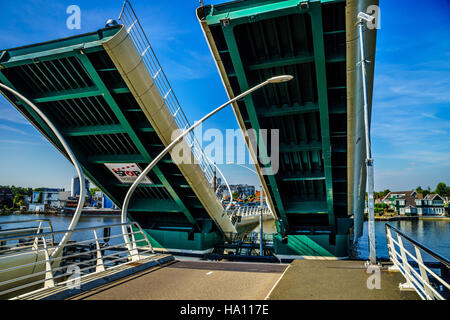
[241,165]
[126,201]
[80,173]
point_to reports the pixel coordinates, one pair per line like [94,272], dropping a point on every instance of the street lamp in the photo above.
[277,79]
[362,17]
[240,165]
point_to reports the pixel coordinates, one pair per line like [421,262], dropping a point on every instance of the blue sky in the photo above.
[411,109]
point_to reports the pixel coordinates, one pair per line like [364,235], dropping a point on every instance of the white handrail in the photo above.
[52,270]
[74,160]
[418,280]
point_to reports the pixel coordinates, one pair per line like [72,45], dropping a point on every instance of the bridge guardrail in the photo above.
[427,283]
[27,263]
[236,214]
[252,237]
[28,227]
[131,22]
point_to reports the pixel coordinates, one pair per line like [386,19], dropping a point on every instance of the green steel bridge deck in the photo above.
[76,84]
[257,39]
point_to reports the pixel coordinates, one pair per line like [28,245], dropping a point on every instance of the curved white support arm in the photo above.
[178,139]
[80,173]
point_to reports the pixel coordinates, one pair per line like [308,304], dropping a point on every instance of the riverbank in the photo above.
[18,212]
[91,213]
[409,218]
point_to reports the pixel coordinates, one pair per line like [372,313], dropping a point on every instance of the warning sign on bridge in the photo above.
[126,172]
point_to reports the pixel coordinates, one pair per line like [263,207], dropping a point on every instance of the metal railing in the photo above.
[249,237]
[134,28]
[43,224]
[27,227]
[31,266]
[236,214]
[408,259]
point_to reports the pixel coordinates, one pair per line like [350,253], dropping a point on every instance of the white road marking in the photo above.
[276,283]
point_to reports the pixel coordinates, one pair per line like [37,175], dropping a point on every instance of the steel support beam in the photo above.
[281,62]
[288,111]
[321,78]
[132,134]
[243,84]
[48,133]
[94,130]
[302,147]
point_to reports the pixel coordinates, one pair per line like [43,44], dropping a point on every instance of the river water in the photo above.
[435,234]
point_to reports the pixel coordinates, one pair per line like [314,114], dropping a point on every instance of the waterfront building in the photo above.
[403,202]
[27,200]
[100,200]
[75,186]
[49,197]
[37,207]
[379,200]
[412,203]
[432,204]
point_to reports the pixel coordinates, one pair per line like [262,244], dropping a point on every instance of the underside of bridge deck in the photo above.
[75,83]
[254,40]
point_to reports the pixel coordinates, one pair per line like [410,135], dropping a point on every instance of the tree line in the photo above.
[19,194]
[441,189]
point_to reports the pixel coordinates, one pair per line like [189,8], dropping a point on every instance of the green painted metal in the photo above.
[254,10]
[94,130]
[123,121]
[303,245]
[243,83]
[257,39]
[74,83]
[321,78]
[189,241]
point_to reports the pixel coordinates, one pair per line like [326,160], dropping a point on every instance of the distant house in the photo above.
[412,203]
[403,202]
[37,207]
[49,197]
[432,204]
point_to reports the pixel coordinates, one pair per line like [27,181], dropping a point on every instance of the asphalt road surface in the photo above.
[193,280]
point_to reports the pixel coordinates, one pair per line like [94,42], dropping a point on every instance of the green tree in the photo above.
[93,190]
[18,197]
[441,189]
